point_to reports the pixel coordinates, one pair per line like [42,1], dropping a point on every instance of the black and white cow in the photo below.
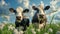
[39,19]
[21,21]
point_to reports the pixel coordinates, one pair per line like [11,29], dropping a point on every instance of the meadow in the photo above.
[50,28]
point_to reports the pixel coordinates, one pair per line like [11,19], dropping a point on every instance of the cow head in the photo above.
[11,10]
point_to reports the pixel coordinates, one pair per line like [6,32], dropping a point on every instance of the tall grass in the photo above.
[51,20]
[28,31]
[50,29]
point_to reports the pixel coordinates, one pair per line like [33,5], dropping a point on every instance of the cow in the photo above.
[21,22]
[39,19]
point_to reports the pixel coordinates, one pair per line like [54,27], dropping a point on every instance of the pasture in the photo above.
[49,29]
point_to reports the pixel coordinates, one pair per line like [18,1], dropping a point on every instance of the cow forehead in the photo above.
[19,14]
[19,9]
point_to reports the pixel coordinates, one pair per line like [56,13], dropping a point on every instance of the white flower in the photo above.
[26,3]
[11,27]
[1,26]
[20,32]
[38,30]
[57,25]
[46,33]
[33,32]
[16,31]
[50,30]
[58,32]
[32,29]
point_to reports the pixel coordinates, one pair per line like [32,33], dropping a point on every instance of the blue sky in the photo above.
[15,3]
[6,4]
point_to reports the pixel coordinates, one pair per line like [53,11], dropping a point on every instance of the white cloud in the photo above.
[33,4]
[53,2]
[4,7]
[4,10]
[54,7]
[26,3]
[20,1]
[54,10]
[6,17]
[2,2]
[58,16]
[41,5]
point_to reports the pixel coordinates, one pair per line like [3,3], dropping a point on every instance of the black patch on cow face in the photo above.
[41,16]
[26,11]
[47,7]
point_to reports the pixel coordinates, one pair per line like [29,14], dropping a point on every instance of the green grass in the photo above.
[28,31]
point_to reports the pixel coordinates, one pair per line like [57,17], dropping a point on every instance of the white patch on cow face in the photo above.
[41,8]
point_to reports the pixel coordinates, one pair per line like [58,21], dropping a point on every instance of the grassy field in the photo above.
[50,29]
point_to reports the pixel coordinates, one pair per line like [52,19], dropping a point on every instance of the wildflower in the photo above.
[46,33]
[11,27]
[38,30]
[32,29]
[50,30]
[33,32]
[15,31]
[20,32]
[1,26]
[57,25]
[58,32]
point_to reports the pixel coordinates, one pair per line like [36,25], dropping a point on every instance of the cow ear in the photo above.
[47,7]
[11,9]
[34,8]
[26,11]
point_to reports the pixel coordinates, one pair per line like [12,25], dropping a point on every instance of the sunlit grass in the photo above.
[54,27]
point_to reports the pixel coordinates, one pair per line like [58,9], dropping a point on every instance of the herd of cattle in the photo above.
[38,20]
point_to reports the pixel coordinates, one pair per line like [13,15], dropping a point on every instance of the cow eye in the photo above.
[47,7]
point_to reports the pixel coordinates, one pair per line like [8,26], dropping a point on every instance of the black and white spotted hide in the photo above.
[40,18]
[24,23]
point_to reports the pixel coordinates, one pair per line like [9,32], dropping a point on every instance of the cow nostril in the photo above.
[18,17]
[41,16]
